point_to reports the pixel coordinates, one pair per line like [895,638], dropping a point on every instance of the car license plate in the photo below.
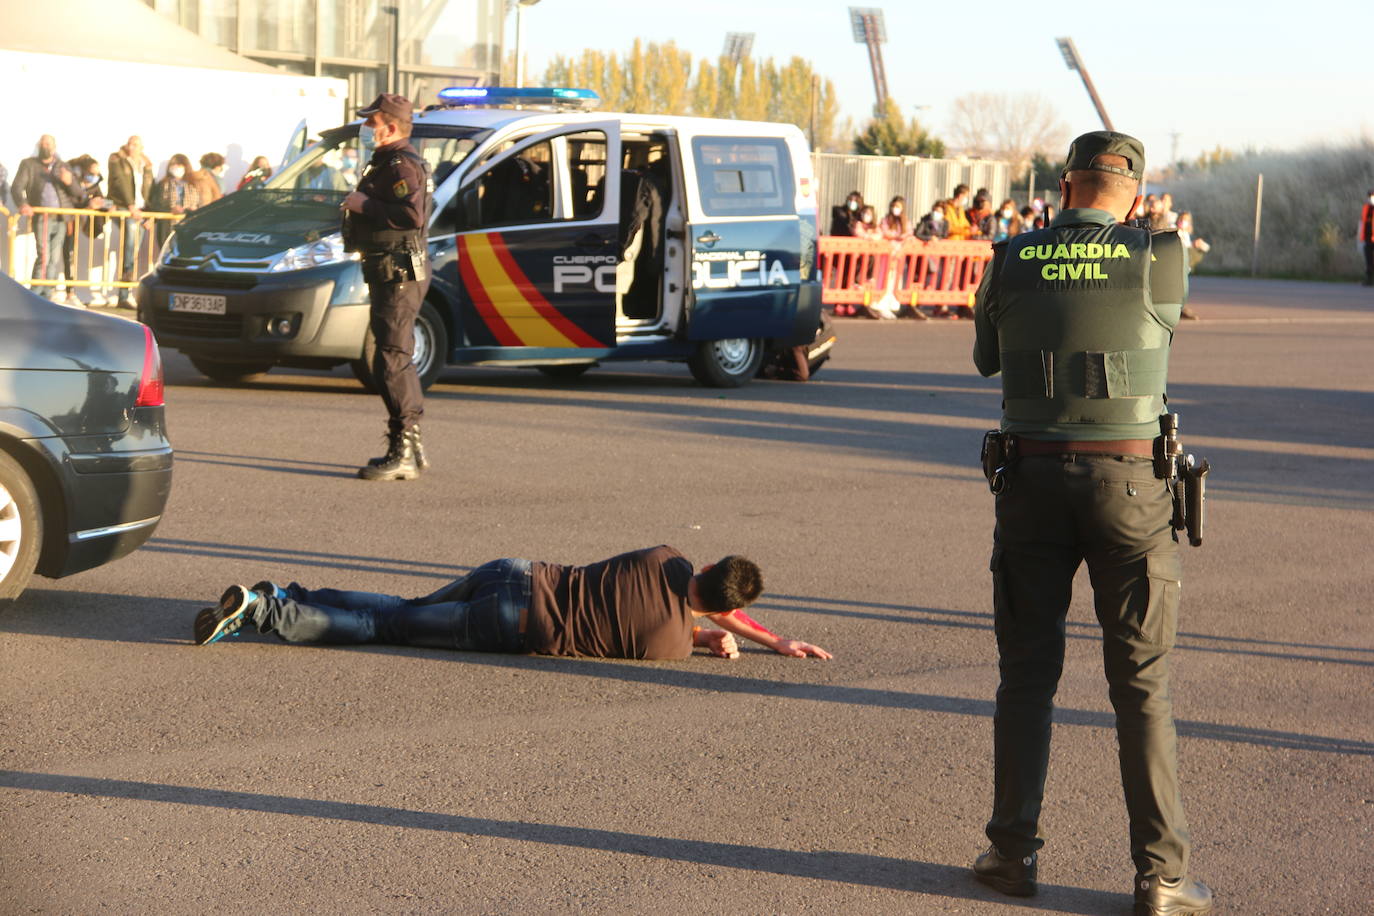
[199,303]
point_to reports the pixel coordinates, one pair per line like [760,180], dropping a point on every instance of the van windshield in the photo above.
[336,162]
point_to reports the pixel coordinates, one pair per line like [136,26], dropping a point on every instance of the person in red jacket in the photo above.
[1367,236]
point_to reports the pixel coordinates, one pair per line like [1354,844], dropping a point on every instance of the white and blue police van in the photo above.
[560,238]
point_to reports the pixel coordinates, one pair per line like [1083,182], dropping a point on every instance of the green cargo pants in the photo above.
[1056,512]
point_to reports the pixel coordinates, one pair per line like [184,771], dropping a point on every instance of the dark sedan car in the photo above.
[85,465]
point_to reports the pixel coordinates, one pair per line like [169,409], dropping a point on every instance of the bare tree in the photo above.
[999,125]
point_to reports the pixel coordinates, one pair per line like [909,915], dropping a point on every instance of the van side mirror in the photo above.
[467,208]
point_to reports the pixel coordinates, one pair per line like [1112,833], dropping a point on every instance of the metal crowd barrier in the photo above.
[935,273]
[96,246]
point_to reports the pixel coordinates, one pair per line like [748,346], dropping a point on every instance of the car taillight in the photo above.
[150,385]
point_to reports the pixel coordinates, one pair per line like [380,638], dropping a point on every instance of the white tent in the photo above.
[93,72]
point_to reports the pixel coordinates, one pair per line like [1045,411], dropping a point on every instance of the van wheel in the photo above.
[225,373]
[726,363]
[565,372]
[21,529]
[429,356]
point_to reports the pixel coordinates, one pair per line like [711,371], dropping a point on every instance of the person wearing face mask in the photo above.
[44,180]
[843,216]
[175,193]
[956,215]
[933,225]
[896,225]
[980,218]
[1005,223]
[1366,237]
[131,184]
[206,178]
[384,220]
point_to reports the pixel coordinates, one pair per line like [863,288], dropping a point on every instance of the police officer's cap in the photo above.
[1089,146]
[395,106]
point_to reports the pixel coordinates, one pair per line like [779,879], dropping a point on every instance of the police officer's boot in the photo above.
[397,464]
[421,461]
[1154,896]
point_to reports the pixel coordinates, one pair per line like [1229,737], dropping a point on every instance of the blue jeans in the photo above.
[133,237]
[49,232]
[479,612]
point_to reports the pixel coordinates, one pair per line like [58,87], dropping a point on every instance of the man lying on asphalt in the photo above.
[641,604]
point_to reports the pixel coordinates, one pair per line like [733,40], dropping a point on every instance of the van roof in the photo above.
[497,118]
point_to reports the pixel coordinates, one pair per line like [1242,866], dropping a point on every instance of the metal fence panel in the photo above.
[920,181]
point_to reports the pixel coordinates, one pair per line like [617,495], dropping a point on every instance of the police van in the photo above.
[560,238]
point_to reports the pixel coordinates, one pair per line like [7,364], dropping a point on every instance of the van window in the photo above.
[739,176]
[517,191]
[587,173]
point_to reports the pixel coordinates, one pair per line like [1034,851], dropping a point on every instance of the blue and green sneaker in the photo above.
[225,619]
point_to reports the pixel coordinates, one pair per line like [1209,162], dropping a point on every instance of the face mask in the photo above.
[936,216]
[1008,213]
[896,211]
[219,172]
[367,138]
[854,204]
[177,171]
[1371,198]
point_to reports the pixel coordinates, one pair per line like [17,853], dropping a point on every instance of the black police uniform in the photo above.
[1078,317]
[390,236]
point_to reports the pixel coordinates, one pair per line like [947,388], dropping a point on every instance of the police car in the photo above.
[560,238]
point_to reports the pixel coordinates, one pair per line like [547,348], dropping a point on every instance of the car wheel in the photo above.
[225,373]
[429,356]
[565,372]
[726,363]
[21,528]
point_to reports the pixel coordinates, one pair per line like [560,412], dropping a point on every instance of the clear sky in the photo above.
[1237,74]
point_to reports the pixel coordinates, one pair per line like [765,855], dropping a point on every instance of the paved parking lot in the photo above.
[141,773]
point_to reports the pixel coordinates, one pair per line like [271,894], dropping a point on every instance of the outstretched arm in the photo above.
[741,624]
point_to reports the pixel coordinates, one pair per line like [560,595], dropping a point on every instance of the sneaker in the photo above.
[270,590]
[1015,877]
[98,299]
[225,619]
[72,301]
[1188,314]
[1156,896]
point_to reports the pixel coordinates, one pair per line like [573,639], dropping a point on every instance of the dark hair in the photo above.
[1105,185]
[403,125]
[959,189]
[211,161]
[731,583]
[181,160]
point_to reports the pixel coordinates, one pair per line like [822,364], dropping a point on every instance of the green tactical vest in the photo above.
[1085,355]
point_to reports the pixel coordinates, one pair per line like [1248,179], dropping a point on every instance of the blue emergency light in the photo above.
[498,96]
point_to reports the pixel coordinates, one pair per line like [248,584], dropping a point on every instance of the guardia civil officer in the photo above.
[385,221]
[1078,317]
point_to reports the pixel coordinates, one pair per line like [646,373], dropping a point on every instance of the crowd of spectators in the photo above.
[127,182]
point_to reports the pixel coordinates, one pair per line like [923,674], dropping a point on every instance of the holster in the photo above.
[388,267]
[1193,476]
[999,450]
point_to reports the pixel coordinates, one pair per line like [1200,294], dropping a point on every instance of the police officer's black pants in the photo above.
[1112,512]
[394,307]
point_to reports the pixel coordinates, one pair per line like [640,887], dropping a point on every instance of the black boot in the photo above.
[421,461]
[1154,896]
[397,464]
[1008,875]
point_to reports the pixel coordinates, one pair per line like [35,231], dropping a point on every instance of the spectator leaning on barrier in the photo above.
[956,214]
[1366,237]
[174,193]
[44,180]
[206,179]
[1004,223]
[979,216]
[866,226]
[843,216]
[1027,222]
[896,225]
[933,225]
[257,174]
[88,175]
[131,184]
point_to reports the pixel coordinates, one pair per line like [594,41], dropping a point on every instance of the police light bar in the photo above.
[497,96]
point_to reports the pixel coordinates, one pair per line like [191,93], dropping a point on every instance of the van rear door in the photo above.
[537,248]
[745,236]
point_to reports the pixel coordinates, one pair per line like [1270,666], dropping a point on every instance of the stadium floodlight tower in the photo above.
[1070,52]
[869,29]
[738,46]
[520,40]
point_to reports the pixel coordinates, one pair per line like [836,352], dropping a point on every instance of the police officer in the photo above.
[385,221]
[1078,317]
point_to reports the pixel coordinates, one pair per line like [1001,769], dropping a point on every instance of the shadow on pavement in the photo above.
[824,865]
[277,556]
[261,463]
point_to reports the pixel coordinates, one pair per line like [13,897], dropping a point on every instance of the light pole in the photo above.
[1074,62]
[520,40]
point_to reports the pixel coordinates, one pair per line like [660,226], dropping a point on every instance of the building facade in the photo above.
[414,47]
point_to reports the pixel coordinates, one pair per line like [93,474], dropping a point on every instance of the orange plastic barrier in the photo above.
[934,273]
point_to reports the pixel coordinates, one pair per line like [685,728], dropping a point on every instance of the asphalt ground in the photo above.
[140,773]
